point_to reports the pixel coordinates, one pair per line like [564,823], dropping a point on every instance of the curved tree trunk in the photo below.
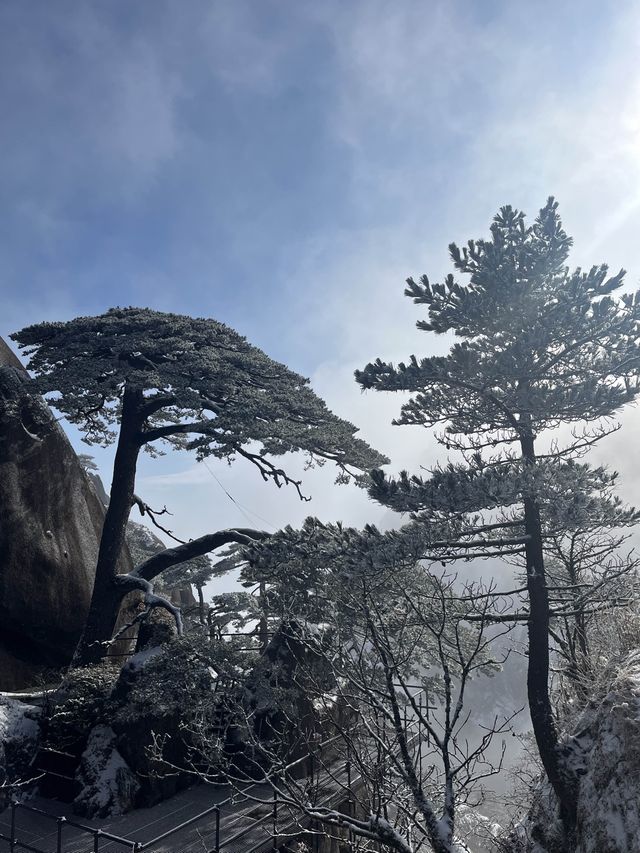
[107,596]
[107,591]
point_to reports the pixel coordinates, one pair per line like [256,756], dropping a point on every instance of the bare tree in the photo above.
[589,576]
[355,719]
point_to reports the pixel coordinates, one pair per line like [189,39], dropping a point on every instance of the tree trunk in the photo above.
[201,612]
[538,670]
[107,597]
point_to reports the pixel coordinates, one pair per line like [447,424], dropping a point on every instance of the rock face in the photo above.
[150,699]
[609,793]
[50,524]
[606,760]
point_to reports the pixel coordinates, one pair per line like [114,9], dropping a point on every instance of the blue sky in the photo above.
[283,166]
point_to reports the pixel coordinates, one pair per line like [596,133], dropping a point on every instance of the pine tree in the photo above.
[540,346]
[140,378]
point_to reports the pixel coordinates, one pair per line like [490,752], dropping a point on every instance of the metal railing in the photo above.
[129,844]
[212,810]
[272,816]
[270,819]
[345,790]
[16,844]
[99,835]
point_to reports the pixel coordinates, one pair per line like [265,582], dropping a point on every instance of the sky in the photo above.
[284,165]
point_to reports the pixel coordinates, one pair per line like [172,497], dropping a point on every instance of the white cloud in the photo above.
[395,61]
[143,126]
[410,75]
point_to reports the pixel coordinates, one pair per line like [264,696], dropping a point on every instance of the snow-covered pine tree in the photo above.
[540,346]
[137,377]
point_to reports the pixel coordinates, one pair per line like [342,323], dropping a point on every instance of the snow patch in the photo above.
[19,736]
[609,793]
[140,659]
[109,786]
[17,721]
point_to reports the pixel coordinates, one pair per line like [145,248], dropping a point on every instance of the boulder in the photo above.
[50,525]
[19,738]
[609,790]
[152,720]
[108,785]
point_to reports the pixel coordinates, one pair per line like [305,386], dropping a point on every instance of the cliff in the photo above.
[50,524]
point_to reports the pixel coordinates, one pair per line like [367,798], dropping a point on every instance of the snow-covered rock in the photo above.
[476,829]
[609,793]
[153,698]
[19,736]
[109,786]
[605,755]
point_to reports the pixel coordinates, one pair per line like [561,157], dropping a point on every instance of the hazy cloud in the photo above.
[284,167]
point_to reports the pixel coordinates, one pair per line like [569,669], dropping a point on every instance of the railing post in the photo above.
[60,822]
[96,841]
[12,843]
[349,809]
[379,772]
[420,736]
[426,712]
[217,830]
[275,820]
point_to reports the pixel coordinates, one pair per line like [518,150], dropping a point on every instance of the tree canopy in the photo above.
[538,340]
[204,388]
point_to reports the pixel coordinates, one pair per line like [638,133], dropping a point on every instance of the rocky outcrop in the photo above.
[108,785]
[604,754]
[50,525]
[19,735]
[151,721]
